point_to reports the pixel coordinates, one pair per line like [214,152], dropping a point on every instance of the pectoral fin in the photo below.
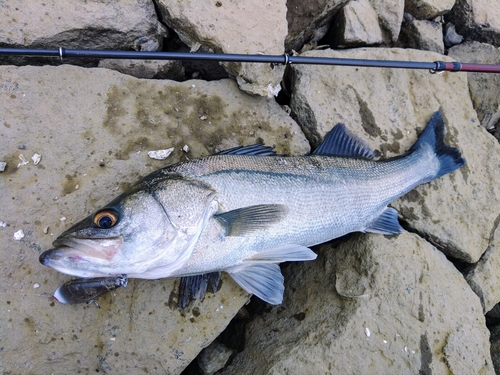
[243,221]
[194,287]
[262,279]
[387,223]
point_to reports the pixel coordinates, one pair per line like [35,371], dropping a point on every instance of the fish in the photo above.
[245,210]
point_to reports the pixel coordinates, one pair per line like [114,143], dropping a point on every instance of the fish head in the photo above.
[124,237]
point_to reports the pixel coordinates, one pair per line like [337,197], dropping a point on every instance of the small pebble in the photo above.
[160,154]
[62,219]
[36,285]
[3,165]
[19,235]
[367,332]
[3,224]
[46,230]
[36,158]
[185,148]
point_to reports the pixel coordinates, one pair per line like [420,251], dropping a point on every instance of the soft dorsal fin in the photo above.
[245,220]
[342,142]
[253,150]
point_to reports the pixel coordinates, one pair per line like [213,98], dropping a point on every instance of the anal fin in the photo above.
[262,279]
[387,223]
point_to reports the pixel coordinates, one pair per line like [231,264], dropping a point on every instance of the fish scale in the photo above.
[244,212]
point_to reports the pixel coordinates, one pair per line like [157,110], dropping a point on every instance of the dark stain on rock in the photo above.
[300,316]
[425,356]
[367,119]
[69,186]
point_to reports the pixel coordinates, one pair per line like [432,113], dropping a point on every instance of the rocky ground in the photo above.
[422,302]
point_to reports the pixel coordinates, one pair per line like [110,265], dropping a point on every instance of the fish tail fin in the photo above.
[449,158]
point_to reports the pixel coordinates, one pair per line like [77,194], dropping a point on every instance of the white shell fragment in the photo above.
[160,154]
[19,235]
[36,158]
[36,285]
[3,224]
[3,165]
[185,148]
[273,91]
[367,332]
[23,161]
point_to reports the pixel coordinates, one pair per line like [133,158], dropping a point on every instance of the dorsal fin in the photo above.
[253,150]
[342,142]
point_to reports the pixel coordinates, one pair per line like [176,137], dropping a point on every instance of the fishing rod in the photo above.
[285,59]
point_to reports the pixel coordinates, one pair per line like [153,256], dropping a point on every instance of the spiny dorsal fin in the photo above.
[252,150]
[245,220]
[342,142]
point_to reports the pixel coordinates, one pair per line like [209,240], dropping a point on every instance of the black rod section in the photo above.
[285,59]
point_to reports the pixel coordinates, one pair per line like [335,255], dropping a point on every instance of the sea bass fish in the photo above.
[245,210]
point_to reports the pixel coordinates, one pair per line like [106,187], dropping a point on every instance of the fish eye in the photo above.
[106,219]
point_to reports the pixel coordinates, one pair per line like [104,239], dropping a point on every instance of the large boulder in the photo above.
[234,27]
[388,108]
[370,305]
[79,24]
[428,9]
[93,128]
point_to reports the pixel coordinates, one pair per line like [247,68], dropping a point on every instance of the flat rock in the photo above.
[388,108]
[370,304]
[233,27]
[483,86]
[79,24]
[93,130]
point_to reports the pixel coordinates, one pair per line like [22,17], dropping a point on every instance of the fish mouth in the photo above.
[81,249]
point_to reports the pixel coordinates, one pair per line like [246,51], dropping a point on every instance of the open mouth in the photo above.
[81,249]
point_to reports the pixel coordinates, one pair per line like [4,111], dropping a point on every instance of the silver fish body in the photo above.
[244,214]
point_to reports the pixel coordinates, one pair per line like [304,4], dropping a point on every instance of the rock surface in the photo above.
[428,9]
[483,87]
[387,109]
[477,20]
[93,129]
[423,35]
[390,15]
[79,24]
[233,27]
[357,25]
[341,309]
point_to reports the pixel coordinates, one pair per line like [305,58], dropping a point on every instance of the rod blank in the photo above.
[285,59]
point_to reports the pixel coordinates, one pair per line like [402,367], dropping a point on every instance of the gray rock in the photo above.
[388,108]
[356,25]
[213,358]
[477,20]
[423,35]
[233,27]
[390,15]
[451,37]
[79,24]
[428,9]
[93,128]
[483,87]
[370,304]
[306,17]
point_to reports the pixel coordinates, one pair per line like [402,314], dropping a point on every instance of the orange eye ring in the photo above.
[105,219]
